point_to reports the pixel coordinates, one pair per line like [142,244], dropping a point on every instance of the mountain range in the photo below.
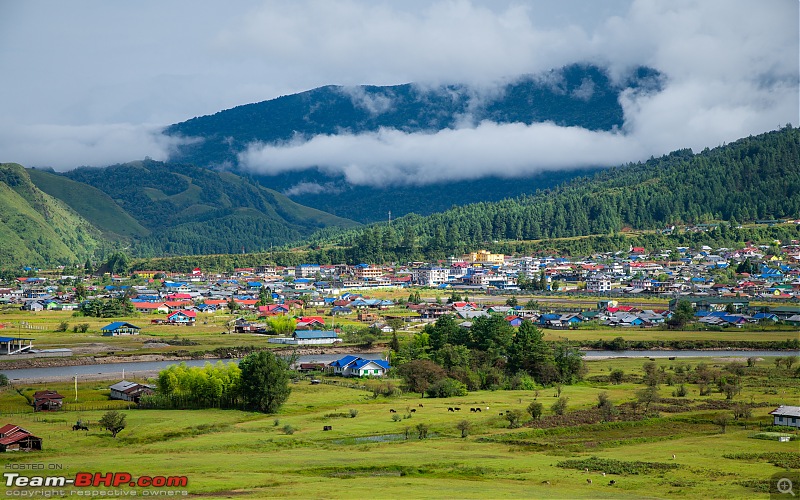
[203,202]
[572,96]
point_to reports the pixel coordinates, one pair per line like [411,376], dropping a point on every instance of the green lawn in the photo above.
[227,452]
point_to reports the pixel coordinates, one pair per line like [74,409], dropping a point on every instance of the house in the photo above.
[15,438]
[308,337]
[786,415]
[47,401]
[130,391]
[182,317]
[355,366]
[120,328]
[151,307]
[310,323]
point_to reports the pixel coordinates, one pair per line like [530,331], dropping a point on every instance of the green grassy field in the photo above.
[228,453]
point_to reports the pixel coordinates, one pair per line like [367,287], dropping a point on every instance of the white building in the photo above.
[598,284]
[430,276]
[786,415]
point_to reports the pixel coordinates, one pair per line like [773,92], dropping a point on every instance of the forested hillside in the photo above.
[35,228]
[576,95]
[191,210]
[750,179]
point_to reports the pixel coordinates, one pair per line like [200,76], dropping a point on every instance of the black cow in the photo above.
[413,410]
[458,409]
[450,409]
[392,410]
[612,483]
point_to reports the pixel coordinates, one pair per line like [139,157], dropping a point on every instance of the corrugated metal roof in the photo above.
[786,411]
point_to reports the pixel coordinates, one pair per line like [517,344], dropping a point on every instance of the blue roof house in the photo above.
[355,366]
[120,328]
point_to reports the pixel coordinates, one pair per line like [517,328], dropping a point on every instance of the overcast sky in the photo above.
[91,82]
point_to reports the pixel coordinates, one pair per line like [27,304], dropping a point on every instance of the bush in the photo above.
[513,417]
[3,380]
[616,376]
[288,429]
[62,327]
[560,406]
[535,410]
[353,413]
[680,392]
[446,388]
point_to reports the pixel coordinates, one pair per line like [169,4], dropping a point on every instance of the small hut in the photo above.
[47,401]
[15,438]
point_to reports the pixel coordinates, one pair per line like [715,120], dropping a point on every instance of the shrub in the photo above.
[446,388]
[396,417]
[513,417]
[560,406]
[616,376]
[680,392]
[535,410]
[353,413]
[62,327]
[288,429]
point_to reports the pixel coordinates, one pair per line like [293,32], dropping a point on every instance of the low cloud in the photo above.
[730,70]
[392,157]
[302,188]
[374,104]
[65,147]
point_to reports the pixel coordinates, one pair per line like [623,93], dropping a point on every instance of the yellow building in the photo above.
[485,256]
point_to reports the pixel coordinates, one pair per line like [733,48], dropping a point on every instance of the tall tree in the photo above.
[264,381]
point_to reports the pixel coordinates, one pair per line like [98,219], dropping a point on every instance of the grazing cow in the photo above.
[472,410]
[420,405]
[604,474]
[501,413]
[413,410]
[589,481]
[392,410]
[450,409]
[477,409]
[612,483]
[457,408]
[546,482]
[327,428]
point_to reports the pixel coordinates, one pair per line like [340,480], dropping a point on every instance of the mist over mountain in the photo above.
[346,149]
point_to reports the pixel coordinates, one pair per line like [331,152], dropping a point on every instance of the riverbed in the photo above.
[145,369]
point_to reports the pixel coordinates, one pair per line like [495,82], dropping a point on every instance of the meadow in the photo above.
[227,453]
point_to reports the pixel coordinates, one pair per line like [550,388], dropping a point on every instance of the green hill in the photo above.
[190,210]
[91,203]
[37,229]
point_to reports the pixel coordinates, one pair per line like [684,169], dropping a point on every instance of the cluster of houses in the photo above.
[704,276]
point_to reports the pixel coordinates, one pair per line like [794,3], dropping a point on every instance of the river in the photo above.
[148,368]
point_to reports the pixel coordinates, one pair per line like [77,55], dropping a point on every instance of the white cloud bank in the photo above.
[71,146]
[730,67]
[83,77]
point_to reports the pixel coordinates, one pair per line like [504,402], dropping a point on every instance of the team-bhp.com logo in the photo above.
[95,479]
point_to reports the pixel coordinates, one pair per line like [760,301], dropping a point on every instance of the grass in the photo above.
[226,452]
